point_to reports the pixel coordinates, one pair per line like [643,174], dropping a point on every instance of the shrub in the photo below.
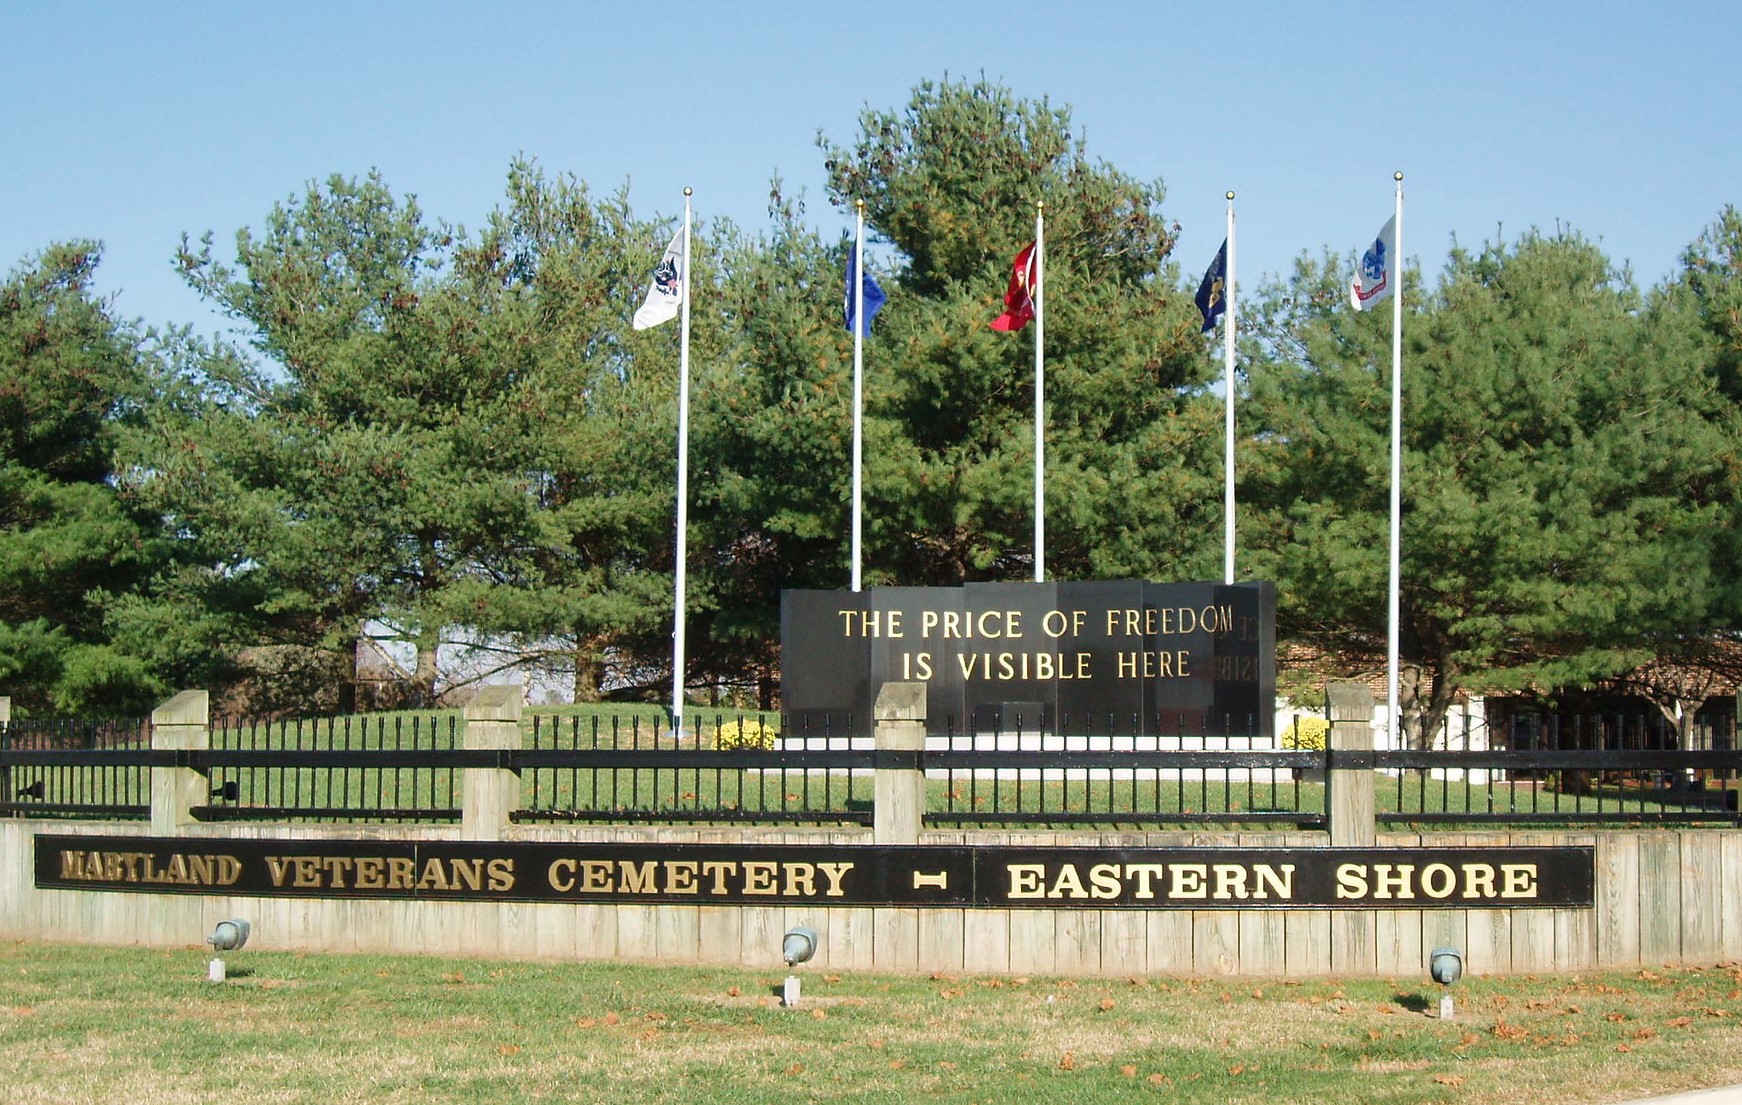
[744,733]
[1310,733]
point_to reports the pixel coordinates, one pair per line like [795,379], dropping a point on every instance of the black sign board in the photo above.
[1113,656]
[825,875]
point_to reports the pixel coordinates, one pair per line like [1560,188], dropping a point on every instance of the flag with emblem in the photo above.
[869,292]
[1019,299]
[1376,272]
[1212,297]
[665,293]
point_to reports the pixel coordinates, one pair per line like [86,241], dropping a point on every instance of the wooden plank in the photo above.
[896,938]
[1397,937]
[1307,941]
[1263,943]
[940,940]
[1033,949]
[1730,852]
[1124,943]
[762,929]
[596,931]
[1618,899]
[1215,942]
[986,942]
[1167,942]
[1077,941]
[1659,903]
[1354,942]
[1533,940]
[677,933]
[1487,942]
[637,932]
[1575,939]
[852,940]
[719,935]
[1702,897]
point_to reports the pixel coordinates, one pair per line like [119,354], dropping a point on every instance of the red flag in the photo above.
[1019,300]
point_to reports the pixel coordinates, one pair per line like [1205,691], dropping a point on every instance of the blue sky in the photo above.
[132,123]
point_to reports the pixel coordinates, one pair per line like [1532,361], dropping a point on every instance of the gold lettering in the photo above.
[1351,880]
[308,871]
[680,876]
[718,871]
[1145,873]
[1478,880]
[1026,879]
[1188,881]
[561,876]
[596,876]
[1104,880]
[337,868]
[277,867]
[1518,880]
[1230,881]
[467,874]
[634,877]
[501,873]
[401,872]
[1067,884]
[801,880]
[369,872]
[434,876]
[1281,884]
[1437,880]
[759,876]
[834,872]
[1388,885]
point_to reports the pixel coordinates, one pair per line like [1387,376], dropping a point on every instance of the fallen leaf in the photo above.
[831,979]
[1159,1080]
[796,1068]
[1645,1034]
[585,1022]
[1128,1071]
[1106,1004]
[946,1064]
[611,1018]
[820,1014]
[1237,1069]
[1622,1047]
[1067,1061]
[1614,1017]
[897,1064]
[508,1049]
[733,992]
[1449,1079]
[1681,1022]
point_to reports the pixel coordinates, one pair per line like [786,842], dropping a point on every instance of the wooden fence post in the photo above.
[180,725]
[1349,790]
[898,794]
[489,795]
[5,772]
[1349,806]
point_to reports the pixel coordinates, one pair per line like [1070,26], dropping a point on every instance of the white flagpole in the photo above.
[1228,405]
[683,481]
[1393,604]
[1039,392]
[858,383]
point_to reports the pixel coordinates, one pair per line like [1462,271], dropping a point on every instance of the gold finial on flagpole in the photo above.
[1230,193]
[688,191]
[1398,176]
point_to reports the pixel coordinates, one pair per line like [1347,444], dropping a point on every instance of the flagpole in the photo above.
[858,382]
[683,481]
[1393,604]
[1228,407]
[1040,392]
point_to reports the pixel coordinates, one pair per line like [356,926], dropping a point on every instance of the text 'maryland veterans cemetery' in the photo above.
[1118,656]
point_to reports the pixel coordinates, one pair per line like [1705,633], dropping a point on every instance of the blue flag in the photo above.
[1212,297]
[873,295]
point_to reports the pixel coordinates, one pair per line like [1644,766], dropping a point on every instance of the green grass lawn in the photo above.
[130,1025]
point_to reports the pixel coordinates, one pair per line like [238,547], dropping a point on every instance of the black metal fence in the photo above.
[1543,769]
[75,767]
[381,767]
[722,769]
[1526,770]
[1097,773]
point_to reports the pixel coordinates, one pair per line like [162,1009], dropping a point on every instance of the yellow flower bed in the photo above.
[744,733]
[1311,733]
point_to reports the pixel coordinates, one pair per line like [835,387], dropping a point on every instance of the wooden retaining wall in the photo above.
[1662,897]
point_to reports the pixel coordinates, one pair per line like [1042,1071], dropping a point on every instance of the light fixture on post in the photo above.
[797,946]
[1445,966]
[226,937]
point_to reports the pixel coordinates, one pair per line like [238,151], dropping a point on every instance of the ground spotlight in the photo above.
[798,945]
[226,937]
[1445,966]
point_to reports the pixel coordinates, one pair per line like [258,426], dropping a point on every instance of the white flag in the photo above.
[665,294]
[1377,270]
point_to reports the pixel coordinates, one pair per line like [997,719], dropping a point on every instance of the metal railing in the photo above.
[75,767]
[721,769]
[1537,770]
[1094,772]
[382,767]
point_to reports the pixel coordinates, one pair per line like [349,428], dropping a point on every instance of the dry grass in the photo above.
[130,1025]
